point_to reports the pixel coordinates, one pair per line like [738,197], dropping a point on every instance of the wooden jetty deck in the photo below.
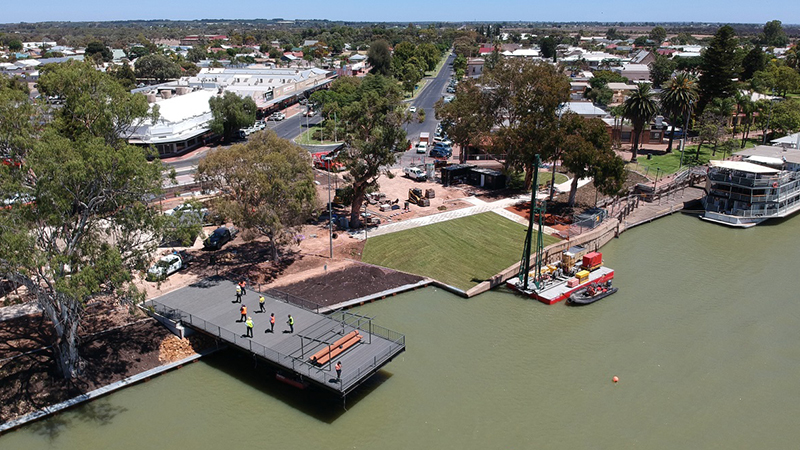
[207,306]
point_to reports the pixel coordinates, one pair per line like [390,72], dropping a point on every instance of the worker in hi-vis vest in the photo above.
[249,324]
[291,323]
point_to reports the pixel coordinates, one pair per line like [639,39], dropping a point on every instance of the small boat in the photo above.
[590,294]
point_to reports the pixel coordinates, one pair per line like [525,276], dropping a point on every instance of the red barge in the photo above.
[552,283]
[556,282]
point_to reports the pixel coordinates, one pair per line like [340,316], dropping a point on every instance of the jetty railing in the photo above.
[294,300]
[298,365]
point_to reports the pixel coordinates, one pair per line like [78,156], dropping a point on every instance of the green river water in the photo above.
[703,335]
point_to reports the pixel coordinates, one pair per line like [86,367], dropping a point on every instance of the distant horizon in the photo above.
[413,11]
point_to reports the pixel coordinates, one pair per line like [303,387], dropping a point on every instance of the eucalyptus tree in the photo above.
[77,223]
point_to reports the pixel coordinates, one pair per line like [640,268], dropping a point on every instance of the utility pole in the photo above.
[330,214]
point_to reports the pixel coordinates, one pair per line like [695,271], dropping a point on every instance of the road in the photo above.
[434,90]
[185,166]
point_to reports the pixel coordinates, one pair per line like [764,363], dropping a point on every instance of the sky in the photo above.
[732,11]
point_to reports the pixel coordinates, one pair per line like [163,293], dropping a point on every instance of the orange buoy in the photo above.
[615,379]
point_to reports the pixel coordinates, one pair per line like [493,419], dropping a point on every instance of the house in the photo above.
[586,110]
[643,57]
[309,43]
[621,131]
[634,72]
[357,58]
[475,67]
[621,91]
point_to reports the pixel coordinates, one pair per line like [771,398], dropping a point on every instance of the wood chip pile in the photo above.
[174,349]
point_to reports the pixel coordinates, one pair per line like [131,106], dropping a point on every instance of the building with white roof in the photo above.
[584,109]
[182,125]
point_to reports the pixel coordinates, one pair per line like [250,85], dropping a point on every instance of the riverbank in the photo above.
[115,345]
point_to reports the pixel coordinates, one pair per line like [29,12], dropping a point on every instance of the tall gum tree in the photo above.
[370,109]
[81,225]
[267,186]
[525,98]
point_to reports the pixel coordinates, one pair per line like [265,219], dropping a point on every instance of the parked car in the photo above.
[422,147]
[442,139]
[219,237]
[415,173]
[437,152]
[167,265]
[277,116]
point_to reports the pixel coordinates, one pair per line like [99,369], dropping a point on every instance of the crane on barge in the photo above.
[537,214]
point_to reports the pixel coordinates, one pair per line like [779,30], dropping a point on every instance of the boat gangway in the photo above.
[208,307]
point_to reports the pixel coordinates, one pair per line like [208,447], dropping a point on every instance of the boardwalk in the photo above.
[207,306]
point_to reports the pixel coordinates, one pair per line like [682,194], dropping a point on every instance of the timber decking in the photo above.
[208,306]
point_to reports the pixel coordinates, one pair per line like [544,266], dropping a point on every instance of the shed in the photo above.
[457,173]
[487,178]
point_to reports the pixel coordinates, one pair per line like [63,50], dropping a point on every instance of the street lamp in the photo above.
[330,214]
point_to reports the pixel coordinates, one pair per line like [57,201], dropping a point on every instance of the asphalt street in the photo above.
[291,127]
[434,90]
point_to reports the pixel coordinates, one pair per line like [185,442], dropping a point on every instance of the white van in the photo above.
[422,147]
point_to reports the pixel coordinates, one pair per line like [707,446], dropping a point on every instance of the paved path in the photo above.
[14,311]
[480,207]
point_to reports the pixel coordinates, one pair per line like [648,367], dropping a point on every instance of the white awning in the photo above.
[742,166]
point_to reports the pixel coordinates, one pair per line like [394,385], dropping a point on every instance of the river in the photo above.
[703,336]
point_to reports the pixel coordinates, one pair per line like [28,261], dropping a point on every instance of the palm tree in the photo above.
[639,108]
[679,93]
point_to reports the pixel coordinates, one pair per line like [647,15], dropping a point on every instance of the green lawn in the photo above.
[670,162]
[460,252]
[518,178]
[311,137]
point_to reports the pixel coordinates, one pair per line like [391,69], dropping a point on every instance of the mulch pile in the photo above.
[349,283]
[173,348]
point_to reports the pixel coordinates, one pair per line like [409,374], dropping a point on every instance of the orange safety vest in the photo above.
[244,309]
[272,319]
[338,366]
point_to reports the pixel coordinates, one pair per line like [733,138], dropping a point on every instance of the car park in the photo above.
[219,237]
[442,140]
[439,153]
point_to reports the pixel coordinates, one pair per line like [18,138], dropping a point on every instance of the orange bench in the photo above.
[334,350]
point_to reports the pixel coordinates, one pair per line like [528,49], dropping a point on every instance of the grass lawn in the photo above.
[308,137]
[460,252]
[670,162]
[518,178]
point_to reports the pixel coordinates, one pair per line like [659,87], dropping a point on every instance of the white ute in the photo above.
[415,173]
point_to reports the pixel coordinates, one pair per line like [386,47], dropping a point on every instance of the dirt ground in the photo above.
[353,281]
[114,345]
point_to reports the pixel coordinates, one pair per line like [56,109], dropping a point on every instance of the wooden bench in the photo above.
[335,349]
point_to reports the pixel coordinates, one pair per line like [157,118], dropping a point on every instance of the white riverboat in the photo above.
[763,184]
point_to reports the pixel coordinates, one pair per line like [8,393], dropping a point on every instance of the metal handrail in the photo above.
[297,364]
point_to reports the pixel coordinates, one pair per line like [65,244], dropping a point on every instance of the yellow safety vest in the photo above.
[261,299]
[249,324]
[291,320]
